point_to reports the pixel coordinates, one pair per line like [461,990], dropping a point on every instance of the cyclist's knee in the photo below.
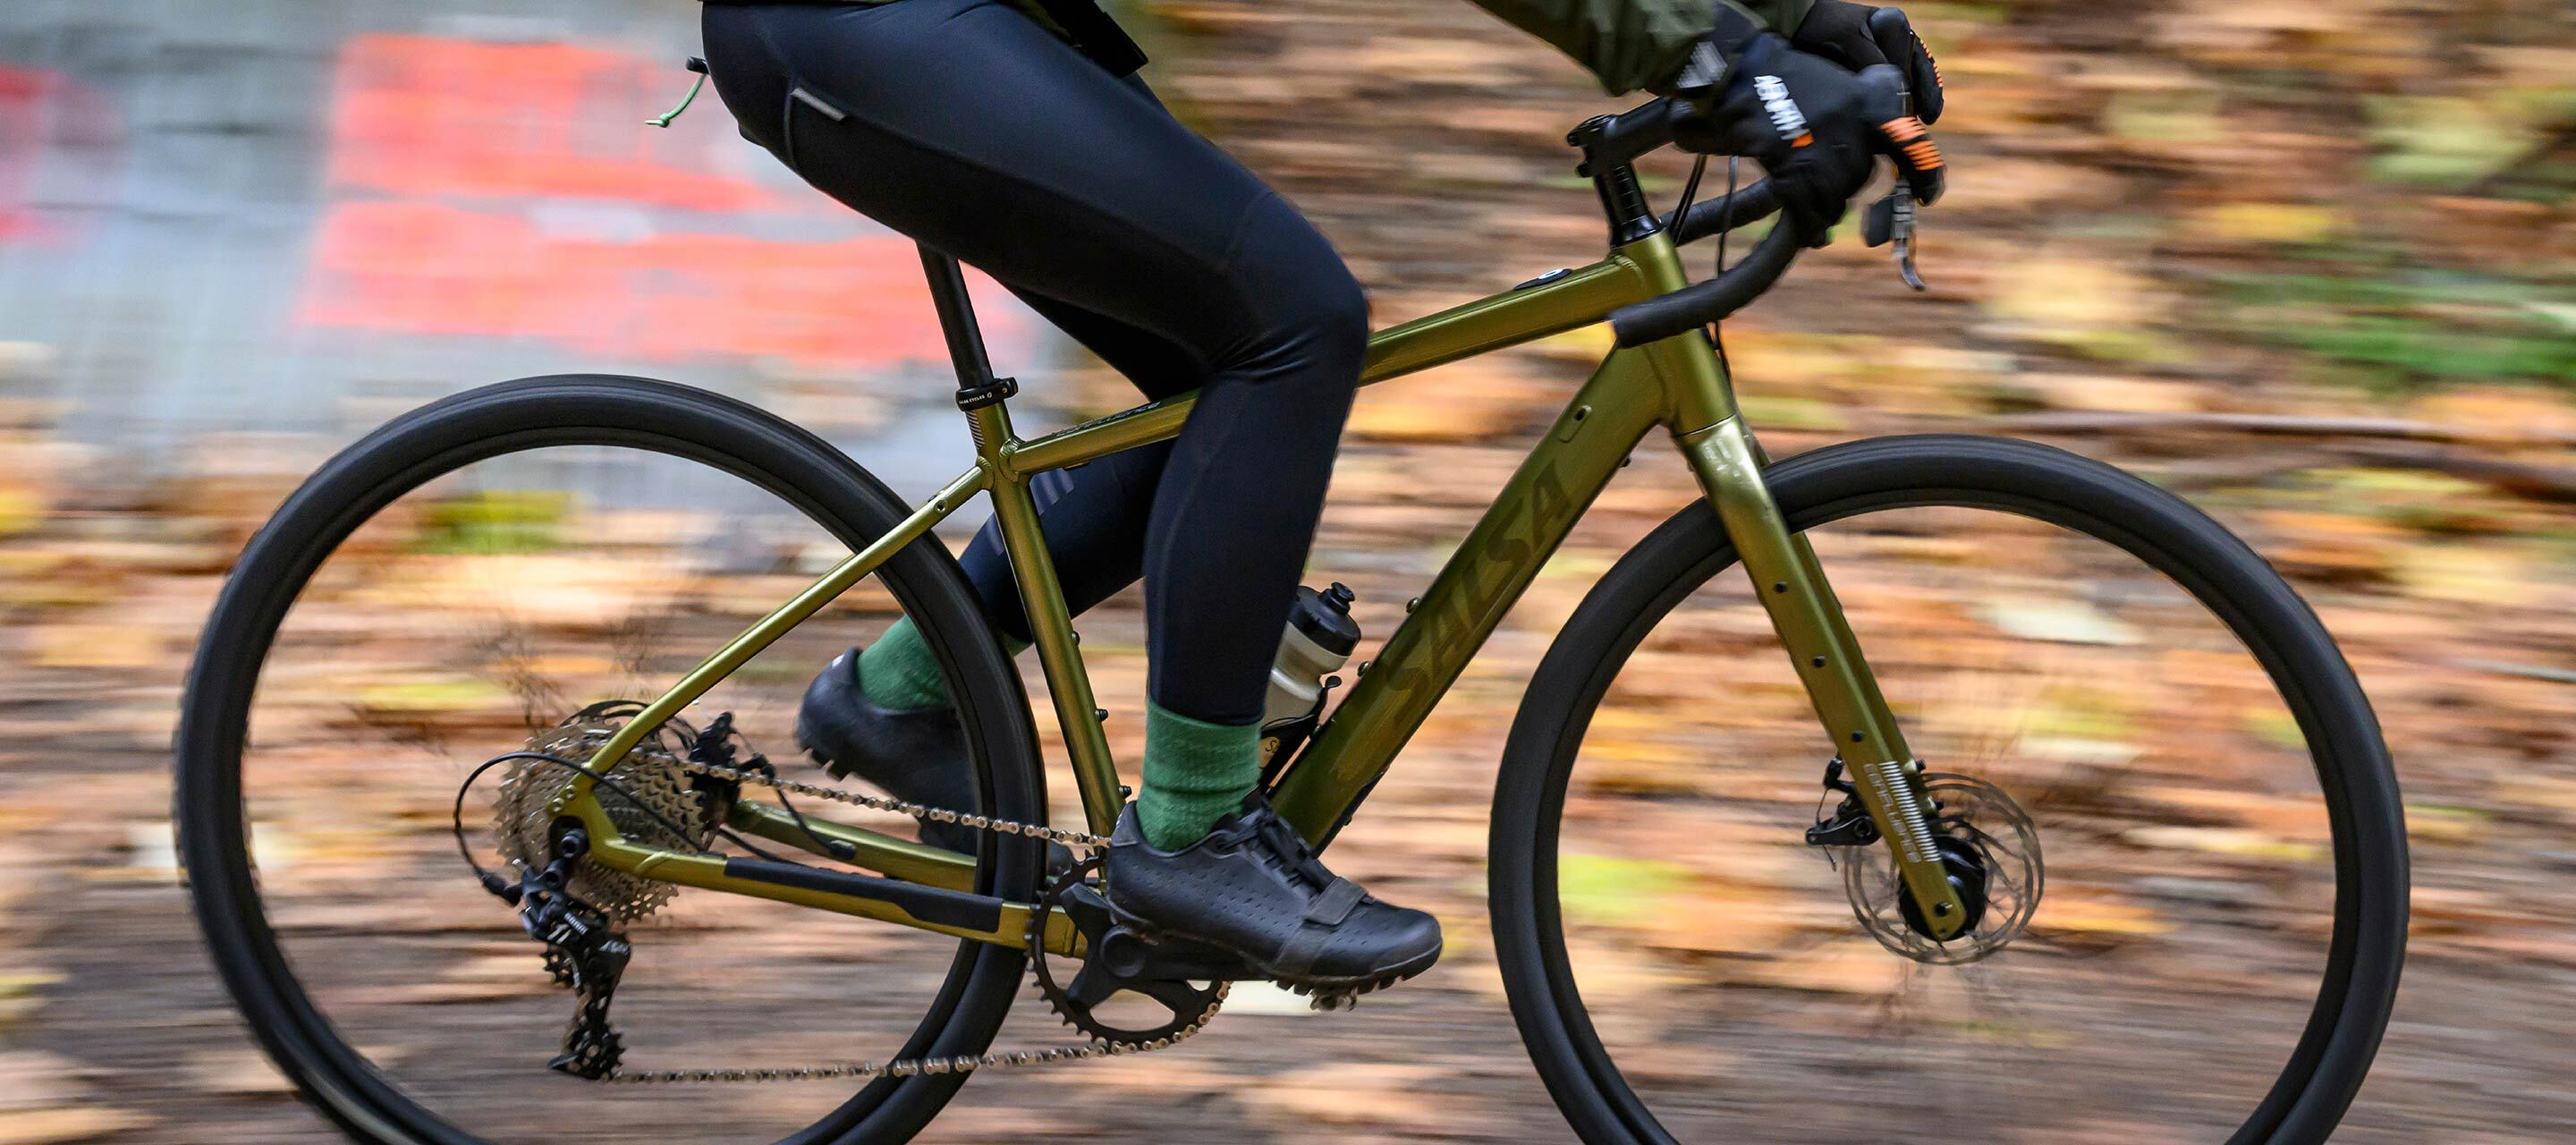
[1339,311]
[1323,326]
[1309,316]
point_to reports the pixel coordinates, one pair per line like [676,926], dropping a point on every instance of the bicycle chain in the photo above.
[909,1067]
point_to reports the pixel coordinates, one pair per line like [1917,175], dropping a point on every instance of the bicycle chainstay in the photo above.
[900,1067]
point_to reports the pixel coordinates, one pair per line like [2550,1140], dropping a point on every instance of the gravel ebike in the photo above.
[2211,945]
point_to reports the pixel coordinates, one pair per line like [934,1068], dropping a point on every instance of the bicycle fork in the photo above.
[1712,435]
[1811,626]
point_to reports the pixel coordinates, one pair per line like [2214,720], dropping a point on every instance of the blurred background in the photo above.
[2311,264]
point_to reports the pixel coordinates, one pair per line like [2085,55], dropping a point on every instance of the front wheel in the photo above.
[2157,771]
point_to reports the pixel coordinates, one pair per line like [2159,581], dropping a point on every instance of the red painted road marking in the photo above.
[46,118]
[427,268]
[431,116]
[451,157]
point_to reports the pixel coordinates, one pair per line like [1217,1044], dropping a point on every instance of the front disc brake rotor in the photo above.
[1991,850]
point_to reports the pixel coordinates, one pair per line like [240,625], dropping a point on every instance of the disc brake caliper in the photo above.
[1849,826]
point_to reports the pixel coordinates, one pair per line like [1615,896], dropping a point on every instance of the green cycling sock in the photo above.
[898,672]
[1196,773]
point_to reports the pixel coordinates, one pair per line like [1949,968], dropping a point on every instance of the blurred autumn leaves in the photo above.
[2311,263]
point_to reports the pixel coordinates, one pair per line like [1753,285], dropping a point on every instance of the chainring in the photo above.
[524,817]
[1078,1000]
[1991,843]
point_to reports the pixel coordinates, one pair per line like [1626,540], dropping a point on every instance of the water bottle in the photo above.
[1320,637]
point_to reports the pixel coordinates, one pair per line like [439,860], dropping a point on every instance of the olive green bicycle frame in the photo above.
[1677,384]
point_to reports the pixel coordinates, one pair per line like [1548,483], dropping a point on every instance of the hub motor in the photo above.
[1990,849]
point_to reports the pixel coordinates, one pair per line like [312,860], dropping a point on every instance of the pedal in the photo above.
[1340,998]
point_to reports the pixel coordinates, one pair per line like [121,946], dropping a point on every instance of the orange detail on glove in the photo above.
[1908,133]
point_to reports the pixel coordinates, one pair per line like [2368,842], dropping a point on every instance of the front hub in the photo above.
[1966,868]
[1989,854]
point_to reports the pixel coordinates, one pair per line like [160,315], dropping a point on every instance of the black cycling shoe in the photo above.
[1254,890]
[918,757]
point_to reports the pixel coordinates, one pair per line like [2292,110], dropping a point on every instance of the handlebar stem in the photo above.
[1610,145]
[1624,201]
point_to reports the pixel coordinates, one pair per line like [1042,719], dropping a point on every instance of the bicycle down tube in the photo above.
[1677,383]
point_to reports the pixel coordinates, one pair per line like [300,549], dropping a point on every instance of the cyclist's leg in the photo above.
[964,125]
[1094,518]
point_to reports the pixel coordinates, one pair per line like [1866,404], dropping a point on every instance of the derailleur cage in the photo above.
[584,954]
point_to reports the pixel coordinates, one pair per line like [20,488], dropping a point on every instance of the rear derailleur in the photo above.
[584,954]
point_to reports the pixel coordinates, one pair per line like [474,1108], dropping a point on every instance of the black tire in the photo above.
[556,411]
[2362,961]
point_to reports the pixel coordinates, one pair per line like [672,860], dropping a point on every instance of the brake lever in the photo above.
[1901,202]
[1892,220]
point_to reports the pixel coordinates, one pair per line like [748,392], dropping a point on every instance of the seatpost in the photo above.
[976,385]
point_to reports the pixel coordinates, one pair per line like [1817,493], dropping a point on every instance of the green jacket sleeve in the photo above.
[1632,44]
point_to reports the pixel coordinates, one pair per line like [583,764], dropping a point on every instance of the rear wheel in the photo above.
[2154,769]
[454,587]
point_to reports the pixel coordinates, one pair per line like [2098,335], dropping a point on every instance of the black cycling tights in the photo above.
[963,124]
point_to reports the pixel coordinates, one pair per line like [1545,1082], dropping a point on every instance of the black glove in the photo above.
[1814,126]
[1858,36]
